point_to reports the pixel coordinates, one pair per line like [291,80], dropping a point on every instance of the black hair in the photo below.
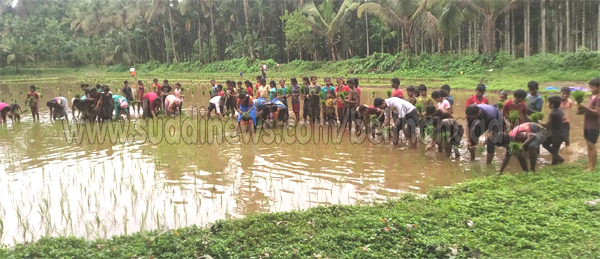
[273,108]
[50,103]
[98,86]
[430,109]
[532,85]
[595,82]
[7,109]
[410,88]
[31,87]
[362,108]
[481,87]
[273,82]
[305,79]
[294,81]
[239,82]
[444,93]
[436,94]
[263,81]
[14,107]
[105,88]
[165,81]
[355,81]
[325,79]
[220,86]
[340,78]
[313,76]
[248,83]
[140,82]
[156,80]
[554,101]
[177,84]
[504,93]
[565,89]
[125,82]
[472,110]
[378,102]
[422,87]
[446,87]
[520,93]
[158,100]
[396,81]
[259,77]
[331,91]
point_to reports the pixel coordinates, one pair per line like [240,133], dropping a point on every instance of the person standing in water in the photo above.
[33,99]
[140,94]
[58,108]
[565,105]
[295,98]
[407,116]
[591,122]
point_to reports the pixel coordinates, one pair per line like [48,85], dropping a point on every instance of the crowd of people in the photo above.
[513,124]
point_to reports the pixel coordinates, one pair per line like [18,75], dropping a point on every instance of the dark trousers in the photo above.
[552,144]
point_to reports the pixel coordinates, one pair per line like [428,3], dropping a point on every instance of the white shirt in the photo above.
[402,106]
[215,100]
[444,105]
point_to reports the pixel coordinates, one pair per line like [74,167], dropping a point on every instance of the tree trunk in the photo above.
[459,41]
[527,35]
[489,46]
[332,48]
[568,10]
[367,28]
[199,39]
[561,34]
[149,45]
[250,48]
[543,50]
[583,24]
[507,32]
[166,43]
[556,28]
[598,32]
[513,34]
[172,36]
[470,45]
[16,63]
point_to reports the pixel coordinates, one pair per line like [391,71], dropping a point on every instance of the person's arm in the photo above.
[591,110]
[504,162]
[117,109]
[51,117]
[530,138]
[468,133]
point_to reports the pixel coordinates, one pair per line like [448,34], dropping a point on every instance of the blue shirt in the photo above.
[535,103]
[450,100]
[272,92]
[490,116]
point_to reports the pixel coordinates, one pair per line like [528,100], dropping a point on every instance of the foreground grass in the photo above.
[538,215]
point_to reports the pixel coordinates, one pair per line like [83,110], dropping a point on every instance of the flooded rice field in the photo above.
[51,186]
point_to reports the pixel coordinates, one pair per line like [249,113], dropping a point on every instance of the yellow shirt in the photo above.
[263,91]
[426,100]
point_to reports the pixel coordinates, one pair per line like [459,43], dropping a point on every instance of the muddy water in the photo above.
[50,187]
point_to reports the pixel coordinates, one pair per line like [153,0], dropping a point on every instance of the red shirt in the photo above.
[373,110]
[221,93]
[510,106]
[340,104]
[250,91]
[398,93]
[151,96]
[474,100]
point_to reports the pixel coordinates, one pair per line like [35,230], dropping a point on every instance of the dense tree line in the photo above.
[107,32]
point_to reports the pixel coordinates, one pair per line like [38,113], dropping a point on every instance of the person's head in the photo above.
[157,102]
[554,102]
[248,83]
[177,85]
[340,81]
[565,93]
[437,96]
[395,83]
[282,83]
[410,91]
[379,103]
[355,80]
[306,80]
[430,110]
[294,81]
[330,94]
[444,93]
[219,87]
[78,103]
[502,96]
[422,90]
[98,86]
[273,108]
[140,83]
[327,80]
[212,81]
[165,82]
[258,78]
[350,83]
[473,111]
[243,98]
[105,89]
[594,85]
[273,84]
[32,88]
[502,139]
[363,108]
[239,84]
[52,104]
[480,91]
[125,83]
[313,80]
[446,88]
[533,87]
[155,80]
[520,96]
[263,81]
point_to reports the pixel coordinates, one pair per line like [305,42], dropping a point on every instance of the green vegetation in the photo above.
[515,148]
[513,116]
[388,92]
[578,96]
[541,215]
[537,117]
[419,107]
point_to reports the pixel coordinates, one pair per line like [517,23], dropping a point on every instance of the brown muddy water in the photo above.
[50,187]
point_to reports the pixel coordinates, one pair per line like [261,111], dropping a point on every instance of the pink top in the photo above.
[444,105]
[340,104]
[3,105]
[151,96]
[177,93]
[564,107]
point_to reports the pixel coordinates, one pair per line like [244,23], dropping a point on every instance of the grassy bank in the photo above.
[514,216]
[500,72]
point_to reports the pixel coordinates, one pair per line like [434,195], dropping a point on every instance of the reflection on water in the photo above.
[50,187]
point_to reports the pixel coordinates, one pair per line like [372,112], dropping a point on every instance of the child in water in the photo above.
[502,96]
[565,104]
[32,99]
[448,133]
[410,94]
[530,135]
[329,113]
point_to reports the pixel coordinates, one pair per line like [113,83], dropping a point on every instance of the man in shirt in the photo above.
[478,98]
[481,118]
[213,85]
[407,115]
[516,104]
[216,103]
[534,100]
[397,91]
[591,122]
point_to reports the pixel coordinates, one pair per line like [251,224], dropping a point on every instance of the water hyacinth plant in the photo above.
[537,117]
[578,96]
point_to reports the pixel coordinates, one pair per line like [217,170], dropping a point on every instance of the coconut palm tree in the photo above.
[489,10]
[116,48]
[441,20]
[17,50]
[327,22]
[403,14]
